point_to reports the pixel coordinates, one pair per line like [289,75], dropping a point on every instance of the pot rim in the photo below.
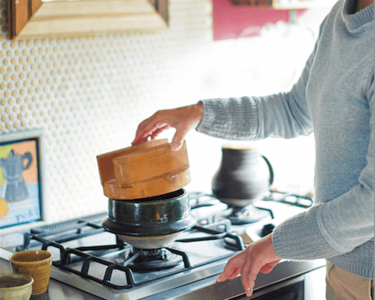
[144,230]
[28,280]
[154,216]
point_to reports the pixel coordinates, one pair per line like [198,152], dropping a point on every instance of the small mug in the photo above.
[37,264]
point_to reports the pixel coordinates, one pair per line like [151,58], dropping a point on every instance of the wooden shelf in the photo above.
[30,19]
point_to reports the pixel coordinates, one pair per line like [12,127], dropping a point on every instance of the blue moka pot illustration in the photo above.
[15,185]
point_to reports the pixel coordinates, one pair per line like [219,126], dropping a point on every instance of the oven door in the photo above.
[309,286]
[292,289]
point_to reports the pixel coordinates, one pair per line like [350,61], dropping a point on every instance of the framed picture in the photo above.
[21,178]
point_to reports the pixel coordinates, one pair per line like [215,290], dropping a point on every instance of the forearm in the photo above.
[284,115]
[231,118]
[252,118]
[328,229]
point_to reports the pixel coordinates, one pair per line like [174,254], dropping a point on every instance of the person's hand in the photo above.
[257,257]
[183,119]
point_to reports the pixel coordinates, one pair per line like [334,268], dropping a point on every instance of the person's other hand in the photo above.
[183,119]
[257,257]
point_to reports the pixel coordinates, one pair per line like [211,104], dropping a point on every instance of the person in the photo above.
[334,99]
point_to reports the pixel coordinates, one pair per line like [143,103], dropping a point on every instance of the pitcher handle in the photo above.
[270,168]
[28,156]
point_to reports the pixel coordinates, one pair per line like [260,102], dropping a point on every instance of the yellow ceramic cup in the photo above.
[37,264]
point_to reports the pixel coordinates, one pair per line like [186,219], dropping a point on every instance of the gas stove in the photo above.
[92,259]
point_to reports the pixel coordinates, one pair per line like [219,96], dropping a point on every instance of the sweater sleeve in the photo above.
[338,226]
[284,115]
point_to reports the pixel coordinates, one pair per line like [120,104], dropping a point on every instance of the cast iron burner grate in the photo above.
[237,215]
[289,198]
[151,259]
[250,213]
[49,239]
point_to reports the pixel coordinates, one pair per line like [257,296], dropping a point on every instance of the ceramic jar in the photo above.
[244,176]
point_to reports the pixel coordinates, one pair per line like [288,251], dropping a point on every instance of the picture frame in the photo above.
[22,180]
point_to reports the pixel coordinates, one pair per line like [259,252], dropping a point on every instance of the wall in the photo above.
[230,21]
[89,94]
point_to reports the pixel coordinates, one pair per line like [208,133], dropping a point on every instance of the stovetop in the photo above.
[96,261]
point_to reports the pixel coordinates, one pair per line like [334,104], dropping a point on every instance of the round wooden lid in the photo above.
[144,170]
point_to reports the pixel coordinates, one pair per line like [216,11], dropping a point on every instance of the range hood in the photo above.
[31,19]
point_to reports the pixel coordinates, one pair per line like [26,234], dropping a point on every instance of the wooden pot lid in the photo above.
[144,170]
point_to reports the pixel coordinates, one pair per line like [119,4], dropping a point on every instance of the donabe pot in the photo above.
[150,223]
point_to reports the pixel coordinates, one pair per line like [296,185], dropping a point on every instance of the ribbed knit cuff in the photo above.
[231,118]
[299,238]
[208,116]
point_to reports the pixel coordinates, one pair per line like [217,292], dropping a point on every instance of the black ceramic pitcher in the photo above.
[244,176]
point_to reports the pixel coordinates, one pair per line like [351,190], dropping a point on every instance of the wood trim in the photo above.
[21,14]
[162,8]
[11,19]
[96,7]
[30,19]
[34,6]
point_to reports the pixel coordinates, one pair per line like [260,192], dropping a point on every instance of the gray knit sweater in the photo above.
[334,98]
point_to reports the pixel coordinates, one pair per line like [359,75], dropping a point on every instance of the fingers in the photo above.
[257,257]
[158,130]
[232,268]
[150,127]
[179,136]
[183,119]
[261,257]
[241,263]
[249,272]
[268,267]
[235,273]
[222,277]
[142,134]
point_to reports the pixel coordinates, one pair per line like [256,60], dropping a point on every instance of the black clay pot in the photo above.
[244,176]
[150,223]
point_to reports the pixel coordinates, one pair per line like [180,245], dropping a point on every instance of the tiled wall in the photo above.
[88,94]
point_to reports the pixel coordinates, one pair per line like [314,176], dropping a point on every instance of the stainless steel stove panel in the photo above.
[207,260]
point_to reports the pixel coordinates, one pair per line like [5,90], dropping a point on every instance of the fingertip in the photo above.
[220,278]
[249,292]
[136,140]
[175,146]
[141,138]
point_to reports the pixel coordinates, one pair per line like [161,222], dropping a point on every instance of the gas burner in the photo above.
[248,214]
[153,259]
[289,198]
[207,208]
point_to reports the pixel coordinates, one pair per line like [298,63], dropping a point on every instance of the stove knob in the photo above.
[267,229]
